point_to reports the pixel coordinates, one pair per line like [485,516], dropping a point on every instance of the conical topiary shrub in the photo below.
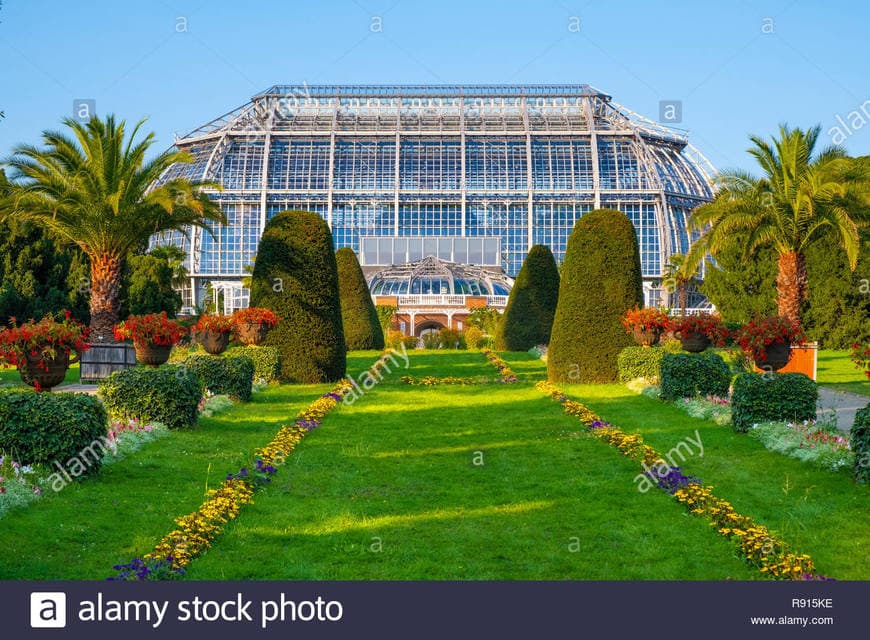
[362,329]
[295,275]
[601,278]
[528,318]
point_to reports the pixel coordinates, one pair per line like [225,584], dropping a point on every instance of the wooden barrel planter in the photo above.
[102,360]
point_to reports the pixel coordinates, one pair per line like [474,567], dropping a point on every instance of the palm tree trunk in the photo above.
[683,300]
[105,296]
[791,284]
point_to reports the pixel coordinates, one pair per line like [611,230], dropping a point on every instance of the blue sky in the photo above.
[738,67]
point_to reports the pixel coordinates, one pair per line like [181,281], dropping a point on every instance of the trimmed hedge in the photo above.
[224,375]
[601,278]
[860,442]
[686,375]
[169,394]
[772,398]
[296,276]
[44,427]
[362,326]
[267,361]
[640,362]
[528,317]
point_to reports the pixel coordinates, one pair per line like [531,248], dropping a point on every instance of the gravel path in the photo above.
[845,403]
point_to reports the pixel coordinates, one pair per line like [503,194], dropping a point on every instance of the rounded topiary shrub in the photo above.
[362,326]
[601,278]
[528,317]
[686,375]
[296,276]
[859,439]
[44,427]
[169,394]
[224,375]
[772,397]
[640,362]
[266,360]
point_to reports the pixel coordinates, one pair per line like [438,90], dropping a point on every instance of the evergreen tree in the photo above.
[362,329]
[296,276]
[601,279]
[528,317]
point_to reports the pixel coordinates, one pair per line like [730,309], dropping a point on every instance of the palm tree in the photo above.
[678,274]
[94,189]
[802,196]
[174,257]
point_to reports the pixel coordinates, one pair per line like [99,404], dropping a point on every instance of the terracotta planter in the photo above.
[252,333]
[152,355]
[214,342]
[46,372]
[694,342]
[778,355]
[646,337]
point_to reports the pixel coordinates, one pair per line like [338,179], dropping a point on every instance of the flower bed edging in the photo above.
[758,546]
[507,374]
[196,530]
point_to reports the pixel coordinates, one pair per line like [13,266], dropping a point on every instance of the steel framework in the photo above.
[520,163]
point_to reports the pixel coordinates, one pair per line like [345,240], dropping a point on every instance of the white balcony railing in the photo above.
[448,301]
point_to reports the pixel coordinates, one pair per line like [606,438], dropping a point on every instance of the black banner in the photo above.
[434,609]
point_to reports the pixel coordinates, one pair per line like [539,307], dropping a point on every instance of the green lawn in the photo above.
[450,482]
[388,488]
[836,370]
[82,531]
[817,512]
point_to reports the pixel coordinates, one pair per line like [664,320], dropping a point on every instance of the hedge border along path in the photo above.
[196,530]
[758,546]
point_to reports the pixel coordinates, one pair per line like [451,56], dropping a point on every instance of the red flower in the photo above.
[646,319]
[255,315]
[153,328]
[759,333]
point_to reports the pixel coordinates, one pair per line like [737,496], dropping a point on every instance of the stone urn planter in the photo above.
[43,372]
[152,355]
[694,341]
[252,333]
[778,355]
[646,337]
[214,342]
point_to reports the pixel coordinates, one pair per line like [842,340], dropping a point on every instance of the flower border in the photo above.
[507,374]
[196,531]
[757,544]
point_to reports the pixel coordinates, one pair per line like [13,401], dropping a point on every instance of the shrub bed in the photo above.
[41,428]
[860,440]
[640,362]
[267,361]
[686,375]
[169,394]
[232,376]
[758,398]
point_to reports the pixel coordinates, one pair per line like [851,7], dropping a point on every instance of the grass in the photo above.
[125,509]
[817,512]
[470,482]
[483,482]
[836,370]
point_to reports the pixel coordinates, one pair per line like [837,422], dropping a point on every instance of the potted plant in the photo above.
[768,340]
[153,336]
[861,357]
[44,350]
[252,325]
[213,332]
[696,333]
[645,325]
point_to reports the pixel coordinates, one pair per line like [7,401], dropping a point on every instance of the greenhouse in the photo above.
[511,166]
